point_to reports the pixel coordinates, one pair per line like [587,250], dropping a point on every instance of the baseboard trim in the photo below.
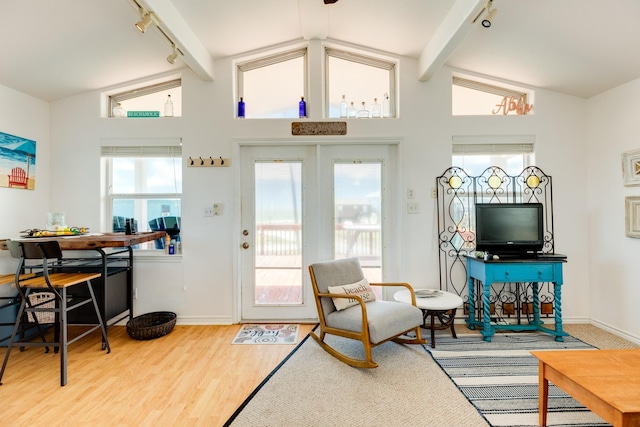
[633,338]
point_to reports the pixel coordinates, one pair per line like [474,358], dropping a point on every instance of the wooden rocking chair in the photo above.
[372,323]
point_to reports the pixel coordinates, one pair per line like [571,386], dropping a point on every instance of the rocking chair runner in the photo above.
[372,323]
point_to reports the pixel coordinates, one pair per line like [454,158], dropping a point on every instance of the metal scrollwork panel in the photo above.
[457,193]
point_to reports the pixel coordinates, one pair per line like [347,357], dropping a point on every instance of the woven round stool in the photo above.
[434,303]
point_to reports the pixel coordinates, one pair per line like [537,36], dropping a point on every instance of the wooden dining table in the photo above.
[114,260]
[93,241]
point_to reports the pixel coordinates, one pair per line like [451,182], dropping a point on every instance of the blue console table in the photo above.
[535,270]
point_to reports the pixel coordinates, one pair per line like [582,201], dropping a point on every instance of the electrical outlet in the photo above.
[217,209]
[413,208]
[434,193]
[410,194]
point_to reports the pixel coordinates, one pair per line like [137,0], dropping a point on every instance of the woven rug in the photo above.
[312,388]
[267,334]
[500,378]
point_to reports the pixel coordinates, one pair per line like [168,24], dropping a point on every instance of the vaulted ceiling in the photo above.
[56,49]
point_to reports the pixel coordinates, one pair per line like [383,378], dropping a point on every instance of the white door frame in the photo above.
[393,247]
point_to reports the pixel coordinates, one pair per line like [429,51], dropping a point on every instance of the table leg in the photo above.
[536,304]
[557,298]
[543,394]
[487,331]
[453,321]
[471,320]
[433,330]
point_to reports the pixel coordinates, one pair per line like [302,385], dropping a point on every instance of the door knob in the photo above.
[245,245]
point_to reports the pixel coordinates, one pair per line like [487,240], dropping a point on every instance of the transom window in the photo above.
[361,79]
[148,98]
[482,97]
[272,86]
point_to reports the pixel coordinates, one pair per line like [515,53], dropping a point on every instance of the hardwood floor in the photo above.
[193,376]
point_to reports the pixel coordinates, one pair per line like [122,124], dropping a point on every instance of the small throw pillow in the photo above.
[361,288]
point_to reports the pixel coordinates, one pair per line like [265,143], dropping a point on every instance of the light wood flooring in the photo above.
[193,376]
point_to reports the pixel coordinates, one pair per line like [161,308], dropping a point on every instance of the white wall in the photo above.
[613,128]
[27,117]
[201,286]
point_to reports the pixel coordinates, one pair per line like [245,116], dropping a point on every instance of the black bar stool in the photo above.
[48,278]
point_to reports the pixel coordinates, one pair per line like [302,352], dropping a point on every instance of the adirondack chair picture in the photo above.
[17,162]
[18,178]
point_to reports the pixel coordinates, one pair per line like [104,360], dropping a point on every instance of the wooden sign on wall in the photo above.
[318,128]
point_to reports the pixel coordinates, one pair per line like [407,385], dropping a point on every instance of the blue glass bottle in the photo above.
[302,107]
[241,109]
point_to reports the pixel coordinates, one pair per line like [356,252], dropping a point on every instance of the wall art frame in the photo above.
[631,167]
[17,162]
[632,216]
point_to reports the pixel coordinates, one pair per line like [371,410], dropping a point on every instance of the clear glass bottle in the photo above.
[343,107]
[241,108]
[351,112]
[168,107]
[302,108]
[363,113]
[119,111]
[376,111]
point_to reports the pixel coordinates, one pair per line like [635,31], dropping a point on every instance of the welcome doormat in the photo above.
[267,334]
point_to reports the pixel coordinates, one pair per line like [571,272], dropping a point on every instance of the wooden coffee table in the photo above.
[605,381]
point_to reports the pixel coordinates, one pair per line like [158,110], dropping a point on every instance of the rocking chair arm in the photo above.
[406,285]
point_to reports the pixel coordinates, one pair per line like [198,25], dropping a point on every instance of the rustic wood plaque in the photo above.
[319,128]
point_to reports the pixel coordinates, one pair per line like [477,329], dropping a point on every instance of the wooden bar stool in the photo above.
[49,279]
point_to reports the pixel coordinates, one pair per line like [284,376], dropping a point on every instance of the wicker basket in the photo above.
[42,300]
[151,325]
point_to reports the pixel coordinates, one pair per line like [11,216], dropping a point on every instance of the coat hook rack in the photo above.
[212,162]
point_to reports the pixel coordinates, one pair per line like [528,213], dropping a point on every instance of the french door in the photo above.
[303,204]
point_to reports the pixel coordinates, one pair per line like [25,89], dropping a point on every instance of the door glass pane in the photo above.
[278,233]
[358,215]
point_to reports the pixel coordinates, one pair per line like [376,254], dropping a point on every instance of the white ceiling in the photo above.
[55,49]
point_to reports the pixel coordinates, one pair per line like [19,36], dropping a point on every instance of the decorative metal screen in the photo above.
[457,194]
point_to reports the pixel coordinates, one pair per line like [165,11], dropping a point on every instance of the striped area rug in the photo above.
[500,378]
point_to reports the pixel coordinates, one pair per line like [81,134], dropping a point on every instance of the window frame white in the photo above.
[108,153]
[138,92]
[362,59]
[270,59]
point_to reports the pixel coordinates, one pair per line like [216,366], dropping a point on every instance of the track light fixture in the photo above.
[491,12]
[146,21]
[173,56]
[486,22]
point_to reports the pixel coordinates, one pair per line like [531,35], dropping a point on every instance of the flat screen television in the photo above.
[509,229]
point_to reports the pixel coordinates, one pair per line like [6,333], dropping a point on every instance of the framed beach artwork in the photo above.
[632,216]
[17,162]
[631,167]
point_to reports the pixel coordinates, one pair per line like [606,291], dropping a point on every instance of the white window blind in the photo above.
[496,144]
[141,151]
